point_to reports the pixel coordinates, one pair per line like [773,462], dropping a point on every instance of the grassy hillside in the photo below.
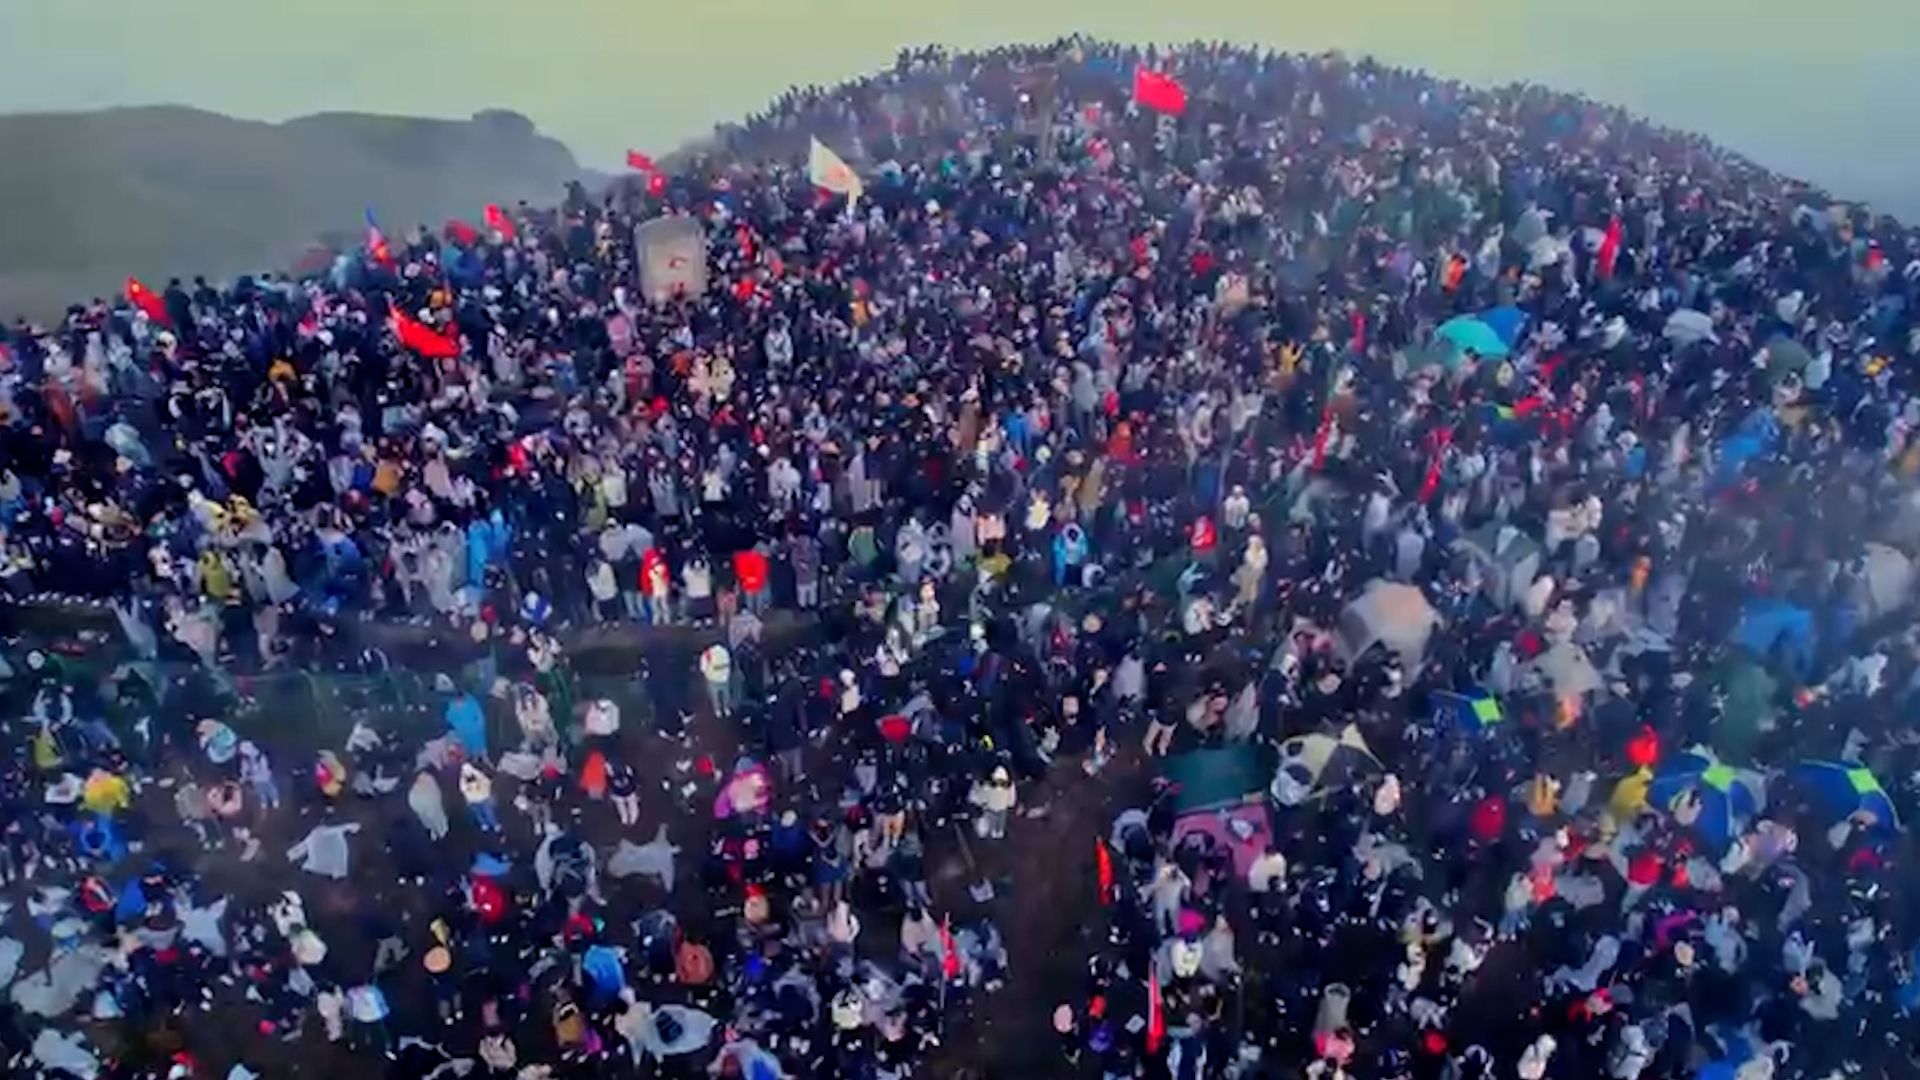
[87,198]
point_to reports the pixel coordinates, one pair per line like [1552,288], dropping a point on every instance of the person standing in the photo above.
[477,789]
[716,665]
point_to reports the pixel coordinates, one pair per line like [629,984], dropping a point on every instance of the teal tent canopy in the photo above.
[1212,779]
[1467,334]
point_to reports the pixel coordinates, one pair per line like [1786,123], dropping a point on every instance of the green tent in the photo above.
[1749,710]
[1211,779]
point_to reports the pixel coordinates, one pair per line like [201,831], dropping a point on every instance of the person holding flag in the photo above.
[377,249]
[417,337]
[499,222]
[827,170]
[151,305]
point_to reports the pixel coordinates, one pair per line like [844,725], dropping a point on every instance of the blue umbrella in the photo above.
[1506,321]
[1467,334]
[1727,795]
[1843,790]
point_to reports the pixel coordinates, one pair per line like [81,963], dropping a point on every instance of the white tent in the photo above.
[1397,617]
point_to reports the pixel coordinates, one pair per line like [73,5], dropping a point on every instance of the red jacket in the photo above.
[750,570]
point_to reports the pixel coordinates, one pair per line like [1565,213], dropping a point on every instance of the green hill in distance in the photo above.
[88,198]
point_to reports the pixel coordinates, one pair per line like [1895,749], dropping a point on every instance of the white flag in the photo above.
[828,171]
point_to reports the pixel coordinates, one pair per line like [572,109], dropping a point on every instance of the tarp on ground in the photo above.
[1211,779]
[1243,831]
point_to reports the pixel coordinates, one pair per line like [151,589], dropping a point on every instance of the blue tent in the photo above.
[1467,334]
[1727,795]
[1475,711]
[1843,790]
[1769,624]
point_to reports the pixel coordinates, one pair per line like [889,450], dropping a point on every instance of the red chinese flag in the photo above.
[639,161]
[1609,250]
[144,299]
[498,221]
[420,338]
[1156,1019]
[462,233]
[1161,93]
[1103,863]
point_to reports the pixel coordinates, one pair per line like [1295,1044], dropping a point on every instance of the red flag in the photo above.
[1156,1021]
[498,221]
[1609,250]
[462,233]
[1161,93]
[949,956]
[377,248]
[1320,438]
[640,161]
[1441,440]
[1456,269]
[144,299]
[418,337]
[657,184]
[1103,863]
[1643,750]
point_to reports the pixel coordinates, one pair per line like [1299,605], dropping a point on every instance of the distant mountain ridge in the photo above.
[87,198]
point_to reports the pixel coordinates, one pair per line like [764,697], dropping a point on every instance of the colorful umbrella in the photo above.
[1314,763]
[1844,790]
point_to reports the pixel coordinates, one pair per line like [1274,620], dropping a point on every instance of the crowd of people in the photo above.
[1523,490]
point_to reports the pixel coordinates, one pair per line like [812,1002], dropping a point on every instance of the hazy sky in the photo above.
[1819,89]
